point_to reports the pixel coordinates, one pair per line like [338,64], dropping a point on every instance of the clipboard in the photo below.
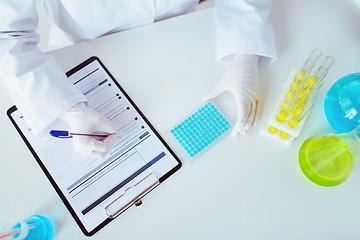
[95,191]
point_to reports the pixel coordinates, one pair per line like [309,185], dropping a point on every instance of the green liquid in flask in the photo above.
[326,160]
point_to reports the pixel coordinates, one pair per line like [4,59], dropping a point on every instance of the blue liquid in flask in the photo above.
[43,228]
[342,103]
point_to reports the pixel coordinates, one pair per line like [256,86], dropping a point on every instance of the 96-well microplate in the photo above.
[200,129]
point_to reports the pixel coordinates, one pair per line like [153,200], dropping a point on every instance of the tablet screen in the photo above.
[87,184]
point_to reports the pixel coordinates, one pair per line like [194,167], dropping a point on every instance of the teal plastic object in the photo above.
[200,130]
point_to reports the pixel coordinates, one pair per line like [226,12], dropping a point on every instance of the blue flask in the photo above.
[342,103]
[35,227]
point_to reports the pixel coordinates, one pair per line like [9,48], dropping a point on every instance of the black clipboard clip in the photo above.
[132,196]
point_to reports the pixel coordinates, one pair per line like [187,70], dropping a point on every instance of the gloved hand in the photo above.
[82,119]
[241,80]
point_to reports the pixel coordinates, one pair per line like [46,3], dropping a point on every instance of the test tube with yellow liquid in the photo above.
[297,85]
[296,99]
[310,92]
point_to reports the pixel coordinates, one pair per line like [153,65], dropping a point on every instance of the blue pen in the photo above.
[67,134]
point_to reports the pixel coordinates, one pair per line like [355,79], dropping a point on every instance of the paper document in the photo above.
[90,184]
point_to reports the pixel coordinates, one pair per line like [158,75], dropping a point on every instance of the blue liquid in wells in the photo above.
[342,103]
[200,129]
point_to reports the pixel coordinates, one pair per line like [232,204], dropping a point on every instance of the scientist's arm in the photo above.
[38,85]
[245,37]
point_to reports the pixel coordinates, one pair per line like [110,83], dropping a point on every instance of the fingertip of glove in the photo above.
[206,97]
[97,154]
[235,133]
[238,132]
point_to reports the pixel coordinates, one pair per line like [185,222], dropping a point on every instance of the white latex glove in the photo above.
[82,119]
[241,80]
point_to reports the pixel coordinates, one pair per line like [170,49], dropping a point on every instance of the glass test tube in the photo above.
[299,78]
[297,85]
[310,92]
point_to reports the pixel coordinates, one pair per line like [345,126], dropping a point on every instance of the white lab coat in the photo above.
[38,85]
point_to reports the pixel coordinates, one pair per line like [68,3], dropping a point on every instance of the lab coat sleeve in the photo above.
[243,27]
[38,85]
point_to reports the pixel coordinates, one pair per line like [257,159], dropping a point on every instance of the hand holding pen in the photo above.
[92,134]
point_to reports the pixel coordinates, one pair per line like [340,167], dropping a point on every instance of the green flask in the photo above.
[327,160]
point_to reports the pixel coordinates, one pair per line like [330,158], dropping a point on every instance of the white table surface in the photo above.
[249,187]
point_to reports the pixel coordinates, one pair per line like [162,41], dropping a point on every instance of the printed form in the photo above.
[90,184]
